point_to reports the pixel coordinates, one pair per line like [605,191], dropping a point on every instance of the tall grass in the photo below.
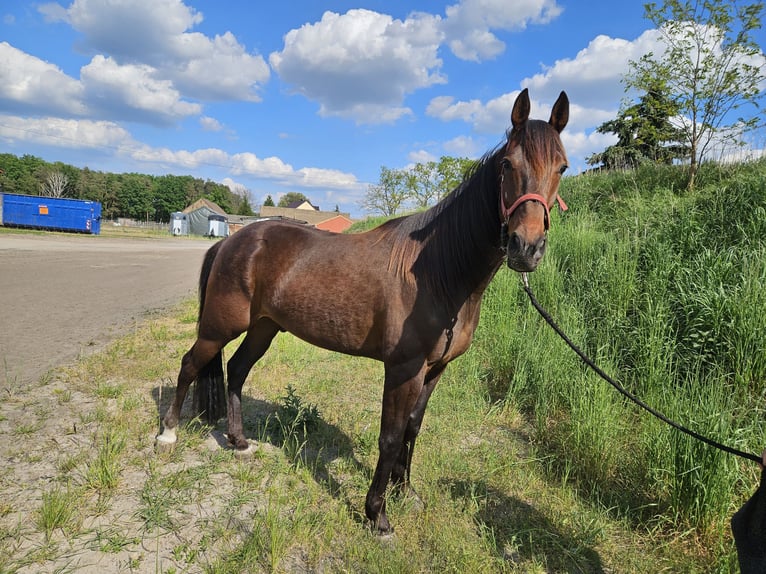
[664,289]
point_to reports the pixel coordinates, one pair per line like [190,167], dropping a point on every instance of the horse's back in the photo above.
[333,290]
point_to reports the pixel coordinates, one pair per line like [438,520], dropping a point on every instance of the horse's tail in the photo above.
[210,390]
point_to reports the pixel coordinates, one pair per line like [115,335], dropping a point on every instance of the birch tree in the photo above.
[54,185]
[712,66]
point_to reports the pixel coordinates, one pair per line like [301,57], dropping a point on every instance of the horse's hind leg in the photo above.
[255,344]
[201,353]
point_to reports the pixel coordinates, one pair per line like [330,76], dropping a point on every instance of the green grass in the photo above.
[103,473]
[527,462]
[58,510]
[663,289]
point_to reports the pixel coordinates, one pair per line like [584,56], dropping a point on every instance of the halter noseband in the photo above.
[507,212]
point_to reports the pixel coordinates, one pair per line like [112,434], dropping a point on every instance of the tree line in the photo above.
[131,195]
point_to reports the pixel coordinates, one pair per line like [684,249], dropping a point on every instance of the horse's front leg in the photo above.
[235,429]
[401,474]
[401,391]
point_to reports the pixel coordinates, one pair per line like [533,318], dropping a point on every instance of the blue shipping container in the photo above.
[55,213]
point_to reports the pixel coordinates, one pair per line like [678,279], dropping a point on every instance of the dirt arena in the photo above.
[63,295]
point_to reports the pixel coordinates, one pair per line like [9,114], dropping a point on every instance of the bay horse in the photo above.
[407,293]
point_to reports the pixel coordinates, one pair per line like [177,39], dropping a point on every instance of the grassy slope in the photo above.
[526,462]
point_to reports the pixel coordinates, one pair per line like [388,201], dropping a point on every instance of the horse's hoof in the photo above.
[384,536]
[165,442]
[382,529]
[163,447]
[245,450]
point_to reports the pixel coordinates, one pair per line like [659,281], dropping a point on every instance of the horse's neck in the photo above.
[473,255]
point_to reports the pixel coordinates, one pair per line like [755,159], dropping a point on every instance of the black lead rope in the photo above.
[621,389]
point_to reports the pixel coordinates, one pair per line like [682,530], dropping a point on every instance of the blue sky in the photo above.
[284,96]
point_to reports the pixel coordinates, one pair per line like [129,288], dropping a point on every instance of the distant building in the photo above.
[337,224]
[305,212]
[303,205]
[203,216]
[198,215]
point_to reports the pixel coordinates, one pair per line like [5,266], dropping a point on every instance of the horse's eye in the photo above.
[563,169]
[505,163]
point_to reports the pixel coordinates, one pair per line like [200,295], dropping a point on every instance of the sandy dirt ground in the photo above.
[66,295]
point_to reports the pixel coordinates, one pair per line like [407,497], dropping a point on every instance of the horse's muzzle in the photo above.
[523,255]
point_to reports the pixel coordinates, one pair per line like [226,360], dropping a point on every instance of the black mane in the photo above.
[446,246]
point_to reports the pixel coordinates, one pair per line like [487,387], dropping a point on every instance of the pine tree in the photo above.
[644,133]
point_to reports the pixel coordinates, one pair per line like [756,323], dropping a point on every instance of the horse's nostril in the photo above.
[514,242]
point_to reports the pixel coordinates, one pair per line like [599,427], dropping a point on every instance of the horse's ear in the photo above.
[520,112]
[560,113]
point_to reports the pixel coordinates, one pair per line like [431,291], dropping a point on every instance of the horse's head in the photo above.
[530,168]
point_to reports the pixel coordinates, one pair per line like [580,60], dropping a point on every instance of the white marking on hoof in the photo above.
[385,538]
[218,440]
[166,441]
[246,452]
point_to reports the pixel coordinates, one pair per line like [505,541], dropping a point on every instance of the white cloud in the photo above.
[210,124]
[69,134]
[583,118]
[446,109]
[236,187]
[218,69]
[420,156]
[31,85]
[493,117]
[250,164]
[100,135]
[468,24]
[324,178]
[182,158]
[133,91]
[490,118]
[105,89]
[463,146]
[53,12]
[593,76]
[592,80]
[127,28]
[274,168]
[580,144]
[361,64]
[155,33]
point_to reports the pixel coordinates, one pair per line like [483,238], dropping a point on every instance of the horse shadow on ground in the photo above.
[522,533]
[317,449]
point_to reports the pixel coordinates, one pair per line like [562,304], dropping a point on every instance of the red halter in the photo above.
[507,212]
